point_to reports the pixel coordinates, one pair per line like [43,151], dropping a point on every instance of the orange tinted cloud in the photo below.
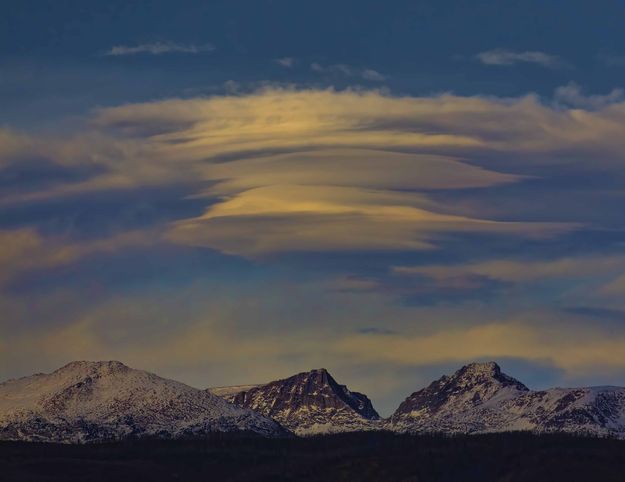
[322,170]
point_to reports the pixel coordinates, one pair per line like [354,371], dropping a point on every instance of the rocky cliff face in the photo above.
[480,398]
[94,401]
[310,402]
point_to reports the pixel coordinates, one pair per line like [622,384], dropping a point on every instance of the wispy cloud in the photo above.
[287,62]
[374,75]
[23,250]
[571,95]
[348,71]
[503,57]
[521,271]
[159,48]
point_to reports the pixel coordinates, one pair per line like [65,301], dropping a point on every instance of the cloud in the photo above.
[348,71]
[336,68]
[575,351]
[367,168]
[503,57]
[212,341]
[13,145]
[298,119]
[316,170]
[598,313]
[287,218]
[389,180]
[615,287]
[521,271]
[23,250]
[571,95]
[287,62]
[373,75]
[205,332]
[159,48]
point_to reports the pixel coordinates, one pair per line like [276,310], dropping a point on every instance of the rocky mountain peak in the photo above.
[486,368]
[319,376]
[308,402]
[479,397]
[472,385]
[488,373]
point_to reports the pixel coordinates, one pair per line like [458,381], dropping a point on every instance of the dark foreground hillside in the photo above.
[349,457]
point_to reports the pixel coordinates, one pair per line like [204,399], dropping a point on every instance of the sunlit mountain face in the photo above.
[228,193]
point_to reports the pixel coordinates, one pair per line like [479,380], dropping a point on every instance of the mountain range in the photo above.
[97,401]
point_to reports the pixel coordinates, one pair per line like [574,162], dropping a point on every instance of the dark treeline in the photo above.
[349,457]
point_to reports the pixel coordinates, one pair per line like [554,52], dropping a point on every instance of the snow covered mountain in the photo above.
[93,401]
[480,398]
[309,403]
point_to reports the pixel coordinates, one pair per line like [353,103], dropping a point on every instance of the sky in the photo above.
[231,192]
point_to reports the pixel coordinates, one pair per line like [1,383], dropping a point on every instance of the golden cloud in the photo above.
[295,170]
[303,119]
[284,218]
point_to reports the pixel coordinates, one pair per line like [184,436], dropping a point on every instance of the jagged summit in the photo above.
[91,401]
[490,368]
[479,397]
[310,402]
[472,385]
[485,373]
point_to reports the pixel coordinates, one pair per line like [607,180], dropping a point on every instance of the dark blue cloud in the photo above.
[25,175]
[598,313]
[143,267]
[97,214]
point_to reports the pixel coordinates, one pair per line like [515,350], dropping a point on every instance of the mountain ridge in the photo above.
[95,401]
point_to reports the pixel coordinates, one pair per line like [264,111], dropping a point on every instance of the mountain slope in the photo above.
[92,401]
[309,403]
[480,398]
